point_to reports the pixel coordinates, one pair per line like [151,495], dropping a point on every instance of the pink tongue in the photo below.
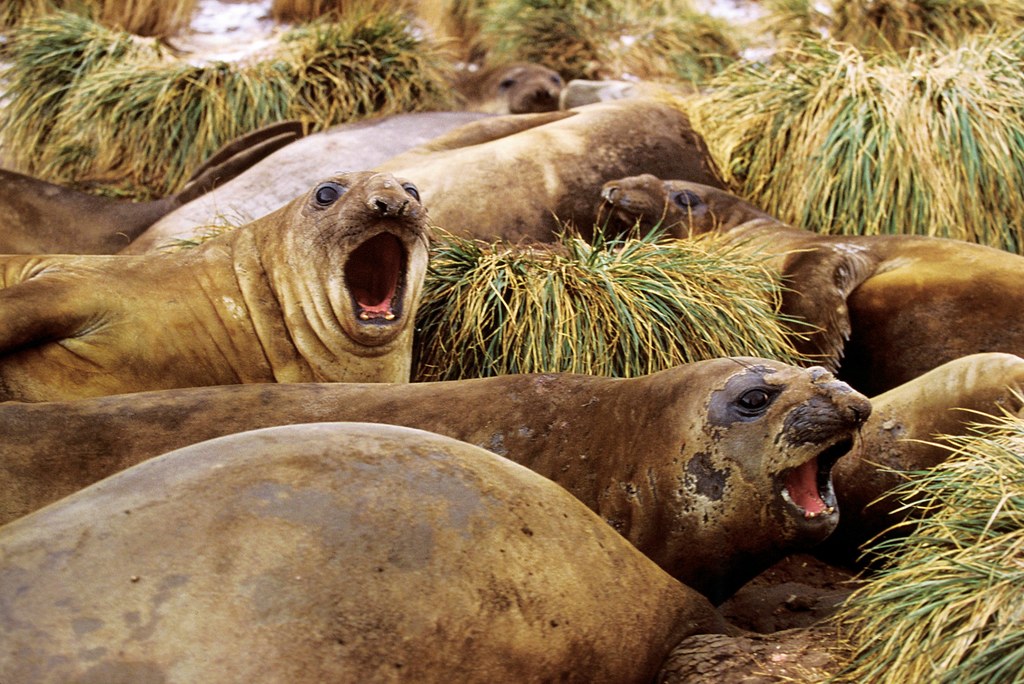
[802,485]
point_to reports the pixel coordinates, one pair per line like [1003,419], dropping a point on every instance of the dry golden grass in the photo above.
[88,104]
[300,11]
[949,605]
[833,140]
[619,309]
[154,18]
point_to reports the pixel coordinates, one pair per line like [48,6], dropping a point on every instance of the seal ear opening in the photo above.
[375,276]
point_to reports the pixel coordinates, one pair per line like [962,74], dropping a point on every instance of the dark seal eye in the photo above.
[557,80]
[327,193]
[411,189]
[754,401]
[507,83]
[687,199]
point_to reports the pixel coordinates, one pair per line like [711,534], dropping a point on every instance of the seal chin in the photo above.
[807,488]
[375,275]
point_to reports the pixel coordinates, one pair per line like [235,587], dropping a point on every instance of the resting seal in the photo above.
[890,307]
[516,88]
[332,552]
[38,217]
[714,469]
[324,289]
[902,436]
[292,170]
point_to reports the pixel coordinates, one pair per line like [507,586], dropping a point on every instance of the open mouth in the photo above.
[375,277]
[808,487]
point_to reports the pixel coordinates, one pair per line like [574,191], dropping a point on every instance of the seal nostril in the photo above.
[381,205]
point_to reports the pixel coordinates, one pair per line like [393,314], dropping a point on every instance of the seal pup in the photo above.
[888,308]
[324,289]
[515,88]
[332,552]
[290,171]
[714,469]
[39,217]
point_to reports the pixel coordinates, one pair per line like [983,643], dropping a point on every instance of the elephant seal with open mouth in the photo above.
[714,469]
[324,289]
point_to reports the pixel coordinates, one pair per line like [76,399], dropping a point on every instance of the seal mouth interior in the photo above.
[375,278]
[808,487]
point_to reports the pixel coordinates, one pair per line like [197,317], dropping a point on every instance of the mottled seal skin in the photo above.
[902,434]
[39,217]
[325,289]
[289,172]
[714,469]
[516,88]
[332,552]
[888,307]
[519,177]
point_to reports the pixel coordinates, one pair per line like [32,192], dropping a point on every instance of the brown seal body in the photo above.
[516,88]
[289,172]
[39,217]
[903,436]
[324,289]
[332,552]
[713,469]
[890,307]
[517,177]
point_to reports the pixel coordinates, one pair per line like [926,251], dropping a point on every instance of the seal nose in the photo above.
[609,193]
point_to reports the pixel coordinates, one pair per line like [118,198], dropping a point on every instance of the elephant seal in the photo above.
[515,177]
[332,552]
[39,217]
[714,469]
[324,289]
[290,171]
[516,88]
[888,307]
[902,437]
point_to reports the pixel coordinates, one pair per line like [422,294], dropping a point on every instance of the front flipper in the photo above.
[36,306]
[483,131]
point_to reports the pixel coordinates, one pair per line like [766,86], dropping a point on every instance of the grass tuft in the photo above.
[948,605]
[90,105]
[836,141]
[594,39]
[621,308]
[152,18]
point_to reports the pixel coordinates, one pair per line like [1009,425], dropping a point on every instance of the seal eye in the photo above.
[557,80]
[507,83]
[411,189]
[327,193]
[754,401]
[687,199]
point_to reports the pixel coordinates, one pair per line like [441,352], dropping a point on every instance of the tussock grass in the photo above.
[155,18]
[949,605]
[92,105]
[310,10]
[836,141]
[622,308]
[647,39]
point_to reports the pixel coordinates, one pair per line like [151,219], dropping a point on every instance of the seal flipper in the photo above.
[36,310]
[818,281]
[485,130]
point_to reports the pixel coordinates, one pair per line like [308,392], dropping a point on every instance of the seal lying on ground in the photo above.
[38,217]
[292,170]
[509,177]
[516,88]
[325,289]
[714,469]
[332,552]
[943,401]
[890,307]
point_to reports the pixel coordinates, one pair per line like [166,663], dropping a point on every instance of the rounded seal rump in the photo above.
[332,552]
[714,469]
[324,289]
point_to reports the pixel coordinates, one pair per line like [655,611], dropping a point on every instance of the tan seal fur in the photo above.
[516,88]
[903,436]
[339,552]
[325,289]
[889,307]
[714,469]
[39,217]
